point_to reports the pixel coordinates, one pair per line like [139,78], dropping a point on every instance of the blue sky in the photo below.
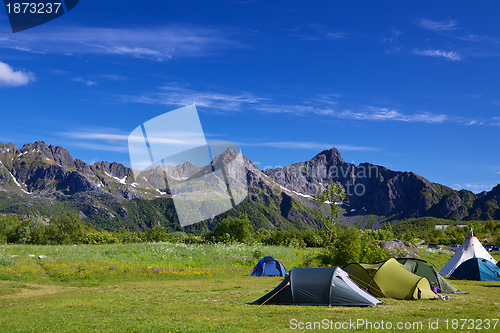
[412,86]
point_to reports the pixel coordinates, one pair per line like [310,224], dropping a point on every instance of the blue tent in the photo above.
[477,269]
[269,266]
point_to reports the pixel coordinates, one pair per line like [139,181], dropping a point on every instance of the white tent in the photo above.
[471,248]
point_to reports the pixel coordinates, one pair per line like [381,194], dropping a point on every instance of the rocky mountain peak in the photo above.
[48,153]
[113,169]
[38,170]
[6,148]
[330,156]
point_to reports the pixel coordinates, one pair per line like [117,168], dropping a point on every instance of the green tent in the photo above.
[318,286]
[424,269]
[390,279]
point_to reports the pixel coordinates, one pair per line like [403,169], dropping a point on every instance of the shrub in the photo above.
[65,230]
[99,237]
[263,236]
[312,239]
[157,233]
[32,231]
[4,261]
[132,238]
[307,259]
[257,254]
[238,228]
[352,245]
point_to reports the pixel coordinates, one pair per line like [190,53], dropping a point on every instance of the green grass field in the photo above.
[195,288]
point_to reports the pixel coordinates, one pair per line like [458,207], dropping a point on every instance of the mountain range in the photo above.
[47,179]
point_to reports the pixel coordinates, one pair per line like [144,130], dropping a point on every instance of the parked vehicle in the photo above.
[454,247]
[433,246]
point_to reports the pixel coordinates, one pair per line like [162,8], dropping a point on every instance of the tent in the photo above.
[471,248]
[422,268]
[269,266]
[477,269]
[318,286]
[390,279]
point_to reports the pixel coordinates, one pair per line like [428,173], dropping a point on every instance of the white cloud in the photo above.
[439,53]
[113,77]
[103,147]
[96,136]
[295,109]
[367,113]
[59,72]
[182,96]
[438,26]
[393,38]
[307,145]
[317,32]
[160,44]
[26,49]
[479,187]
[321,105]
[110,139]
[472,38]
[87,82]
[336,35]
[381,114]
[12,78]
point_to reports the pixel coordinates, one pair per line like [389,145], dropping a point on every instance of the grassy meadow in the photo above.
[163,287]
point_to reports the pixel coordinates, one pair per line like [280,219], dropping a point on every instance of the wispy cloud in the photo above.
[393,37]
[59,72]
[26,49]
[160,44]
[113,77]
[478,187]
[103,147]
[336,35]
[450,55]
[12,78]
[182,96]
[307,145]
[472,38]
[385,114]
[294,109]
[86,82]
[101,138]
[495,121]
[451,29]
[321,105]
[167,137]
[365,113]
[115,140]
[317,32]
[438,25]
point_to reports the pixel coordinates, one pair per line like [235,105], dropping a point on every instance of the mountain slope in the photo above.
[47,179]
[380,191]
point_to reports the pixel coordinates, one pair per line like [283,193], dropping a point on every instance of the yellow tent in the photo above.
[390,279]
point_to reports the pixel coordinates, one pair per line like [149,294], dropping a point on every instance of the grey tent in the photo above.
[318,286]
[424,269]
